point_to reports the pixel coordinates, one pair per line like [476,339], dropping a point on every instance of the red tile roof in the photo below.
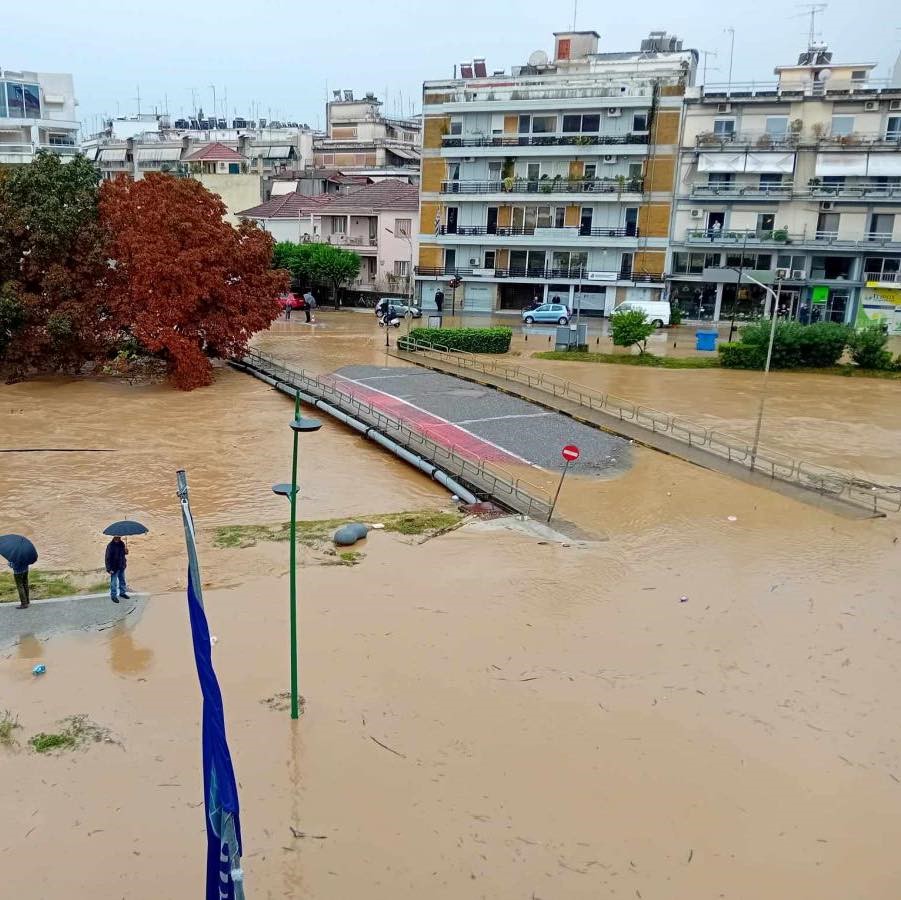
[383,195]
[215,152]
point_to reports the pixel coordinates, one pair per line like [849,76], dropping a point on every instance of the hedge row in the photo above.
[472,340]
[795,346]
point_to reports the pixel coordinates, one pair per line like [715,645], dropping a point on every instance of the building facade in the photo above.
[799,179]
[37,112]
[556,180]
[359,135]
[379,222]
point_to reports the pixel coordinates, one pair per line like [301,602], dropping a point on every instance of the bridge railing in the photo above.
[874,497]
[487,478]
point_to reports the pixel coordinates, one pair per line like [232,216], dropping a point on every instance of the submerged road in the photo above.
[483,421]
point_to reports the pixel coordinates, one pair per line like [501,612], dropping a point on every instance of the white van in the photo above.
[657,311]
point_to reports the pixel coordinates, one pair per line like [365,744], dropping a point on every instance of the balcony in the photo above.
[553,236]
[357,243]
[712,189]
[869,190]
[571,274]
[612,187]
[548,140]
[889,279]
[779,237]
[789,142]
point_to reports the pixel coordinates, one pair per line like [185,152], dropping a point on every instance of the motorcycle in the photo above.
[393,320]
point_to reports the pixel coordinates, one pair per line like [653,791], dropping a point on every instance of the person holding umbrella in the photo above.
[19,553]
[116,556]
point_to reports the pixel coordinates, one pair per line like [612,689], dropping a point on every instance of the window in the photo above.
[770,181]
[456,125]
[497,123]
[525,124]
[544,217]
[339,225]
[777,126]
[724,127]
[518,262]
[640,122]
[881,226]
[531,217]
[403,227]
[401,267]
[831,268]
[544,124]
[859,75]
[694,263]
[758,261]
[793,263]
[450,259]
[589,123]
[559,217]
[536,262]
[718,180]
[489,259]
[591,171]
[23,100]
[565,263]
[636,171]
[765,222]
[842,125]
[882,268]
[893,128]
[625,265]
[827,225]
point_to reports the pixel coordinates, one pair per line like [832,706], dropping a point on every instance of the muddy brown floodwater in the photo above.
[558,722]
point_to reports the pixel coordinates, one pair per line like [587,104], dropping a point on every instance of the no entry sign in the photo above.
[571,452]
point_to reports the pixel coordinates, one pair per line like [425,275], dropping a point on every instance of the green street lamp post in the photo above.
[299,425]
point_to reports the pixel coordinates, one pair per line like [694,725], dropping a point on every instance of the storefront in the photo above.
[880,305]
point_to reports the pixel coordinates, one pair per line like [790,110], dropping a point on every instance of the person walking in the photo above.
[116,553]
[309,304]
[20,576]
[439,300]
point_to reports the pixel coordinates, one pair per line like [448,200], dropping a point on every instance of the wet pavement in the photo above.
[486,422]
[45,618]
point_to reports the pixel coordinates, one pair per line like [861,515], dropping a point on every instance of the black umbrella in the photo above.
[125,528]
[18,550]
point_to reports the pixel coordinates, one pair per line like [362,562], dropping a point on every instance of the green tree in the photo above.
[631,327]
[333,267]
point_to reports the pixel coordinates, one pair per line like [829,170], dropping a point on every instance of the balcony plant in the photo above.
[765,141]
[708,137]
[780,235]
[508,184]
[507,170]
[819,130]
[849,140]
[796,126]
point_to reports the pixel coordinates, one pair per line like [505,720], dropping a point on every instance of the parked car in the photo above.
[547,312]
[400,305]
[657,311]
[291,301]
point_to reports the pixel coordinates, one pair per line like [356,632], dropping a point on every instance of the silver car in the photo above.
[401,307]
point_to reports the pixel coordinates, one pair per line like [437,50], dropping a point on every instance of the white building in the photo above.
[379,222]
[37,112]
[554,180]
[800,178]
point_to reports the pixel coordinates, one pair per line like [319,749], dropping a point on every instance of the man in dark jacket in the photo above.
[20,576]
[116,553]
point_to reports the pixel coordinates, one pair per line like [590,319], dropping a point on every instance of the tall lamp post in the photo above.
[299,425]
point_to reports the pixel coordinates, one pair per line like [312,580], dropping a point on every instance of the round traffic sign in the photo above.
[570,452]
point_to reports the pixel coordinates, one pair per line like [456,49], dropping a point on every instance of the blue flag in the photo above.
[224,879]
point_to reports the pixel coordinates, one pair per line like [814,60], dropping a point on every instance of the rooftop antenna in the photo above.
[706,53]
[575,12]
[731,30]
[138,98]
[812,10]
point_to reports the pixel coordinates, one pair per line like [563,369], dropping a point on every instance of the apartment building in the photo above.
[800,178]
[37,112]
[359,134]
[554,180]
[379,222]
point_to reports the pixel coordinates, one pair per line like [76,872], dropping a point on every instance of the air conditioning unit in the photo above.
[781,274]
[697,213]
[724,107]
[871,105]
[798,274]
[894,104]
[609,159]
[826,205]
[469,159]
[614,111]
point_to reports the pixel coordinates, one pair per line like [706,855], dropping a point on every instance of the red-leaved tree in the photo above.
[184,282]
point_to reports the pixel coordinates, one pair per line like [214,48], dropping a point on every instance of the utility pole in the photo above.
[575,12]
[215,114]
[138,98]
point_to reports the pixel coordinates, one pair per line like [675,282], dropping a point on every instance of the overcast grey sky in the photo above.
[283,55]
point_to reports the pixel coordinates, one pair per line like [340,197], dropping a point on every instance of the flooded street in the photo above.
[696,701]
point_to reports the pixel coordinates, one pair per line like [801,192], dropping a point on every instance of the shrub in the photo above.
[795,345]
[472,340]
[630,326]
[867,348]
[742,356]
[676,314]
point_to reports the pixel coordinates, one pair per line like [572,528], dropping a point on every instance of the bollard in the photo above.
[548,338]
[597,342]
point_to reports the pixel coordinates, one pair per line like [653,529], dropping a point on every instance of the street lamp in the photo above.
[299,425]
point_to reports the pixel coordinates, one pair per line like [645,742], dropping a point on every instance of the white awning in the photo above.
[404,154]
[113,154]
[884,164]
[159,154]
[746,162]
[831,164]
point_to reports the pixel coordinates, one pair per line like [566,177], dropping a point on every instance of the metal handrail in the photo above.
[489,477]
[778,466]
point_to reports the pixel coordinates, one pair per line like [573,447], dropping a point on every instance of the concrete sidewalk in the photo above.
[59,615]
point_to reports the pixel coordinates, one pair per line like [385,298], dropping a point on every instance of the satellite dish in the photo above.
[538,58]
[824,75]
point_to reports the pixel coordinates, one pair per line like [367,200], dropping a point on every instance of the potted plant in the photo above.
[508,184]
[819,130]
[764,141]
[780,235]
[849,140]
[708,137]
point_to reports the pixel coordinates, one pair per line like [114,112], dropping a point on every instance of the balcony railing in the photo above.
[884,277]
[547,140]
[570,274]
[546,186]
[727,191]
[780,236]
[532,231]
[790,141]
[343,240]
[870,190]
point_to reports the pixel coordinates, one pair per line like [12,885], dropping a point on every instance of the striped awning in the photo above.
[112,154]
[158,154]
[274,152]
